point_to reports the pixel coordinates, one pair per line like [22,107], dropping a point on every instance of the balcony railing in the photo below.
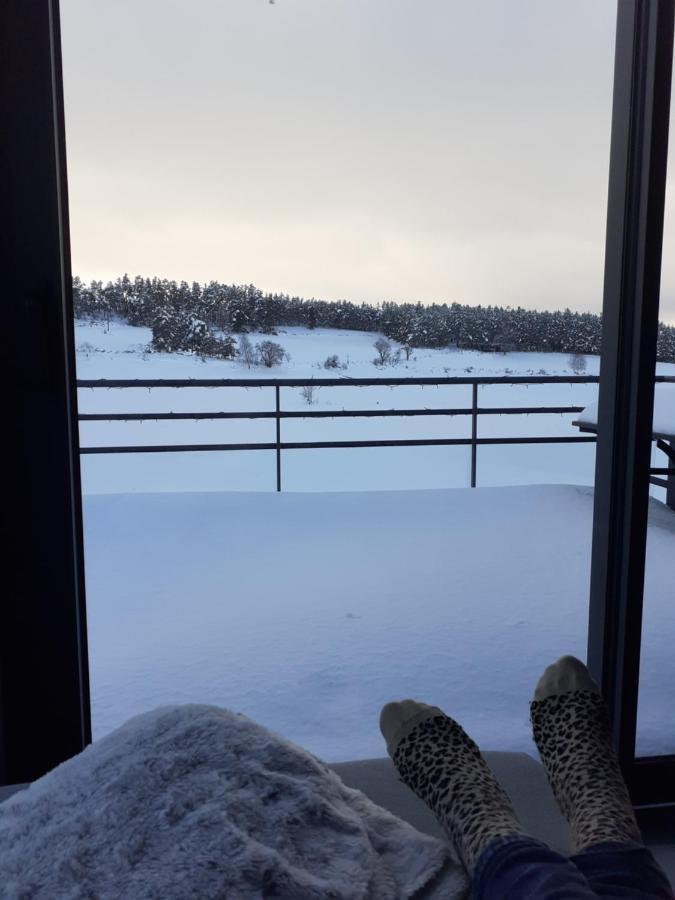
[279,414]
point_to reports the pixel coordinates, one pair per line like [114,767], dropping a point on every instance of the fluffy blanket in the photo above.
[196,801]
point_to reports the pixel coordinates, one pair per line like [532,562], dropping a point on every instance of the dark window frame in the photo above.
[635,212]
[44,681]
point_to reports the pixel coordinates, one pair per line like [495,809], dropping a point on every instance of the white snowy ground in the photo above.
[309,611]
[119,353]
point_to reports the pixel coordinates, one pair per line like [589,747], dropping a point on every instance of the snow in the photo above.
[119,353]
[120,347]
[376,574]
[309,611]
[663,422]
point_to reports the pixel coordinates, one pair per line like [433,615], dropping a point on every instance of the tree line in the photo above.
[204,318]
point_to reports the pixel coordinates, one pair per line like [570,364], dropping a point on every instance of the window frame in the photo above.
[45,713]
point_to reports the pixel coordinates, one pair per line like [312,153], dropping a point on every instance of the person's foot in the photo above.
[570,725]
[443,766]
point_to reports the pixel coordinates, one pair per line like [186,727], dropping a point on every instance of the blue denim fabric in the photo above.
[522,868]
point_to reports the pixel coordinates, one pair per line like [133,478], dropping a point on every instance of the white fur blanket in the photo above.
[196,801]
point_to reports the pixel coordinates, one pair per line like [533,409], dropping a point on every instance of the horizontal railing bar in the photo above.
[177,448]
[659,482]
[334,382]
[662,471]
[163,416]
[327,414]
[526,410]
[341,382]
[320,445]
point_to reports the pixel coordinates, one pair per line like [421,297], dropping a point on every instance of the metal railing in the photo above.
[279,414]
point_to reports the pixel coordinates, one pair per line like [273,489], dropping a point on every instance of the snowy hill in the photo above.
[118,351]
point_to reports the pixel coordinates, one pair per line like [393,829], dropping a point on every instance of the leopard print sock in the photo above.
[443,766]
[571,729]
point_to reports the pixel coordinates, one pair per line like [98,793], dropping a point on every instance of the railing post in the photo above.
[278,420]
[474,431]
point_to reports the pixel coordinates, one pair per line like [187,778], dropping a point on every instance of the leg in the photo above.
[521,868]
[443,766]
[571,729]
[623,870]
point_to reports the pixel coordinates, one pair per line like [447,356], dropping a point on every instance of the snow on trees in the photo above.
[244,308]
[175,329]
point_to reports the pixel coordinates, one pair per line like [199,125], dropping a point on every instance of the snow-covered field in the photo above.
[309,609]
[119,353]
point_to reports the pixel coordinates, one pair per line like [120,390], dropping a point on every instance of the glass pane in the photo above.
[382,191]
[655,733]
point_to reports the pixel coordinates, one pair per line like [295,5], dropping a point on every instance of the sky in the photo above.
[410,150]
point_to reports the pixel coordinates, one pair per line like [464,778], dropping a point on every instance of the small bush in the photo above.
[332,362]
[271,353]
[307,392]
[383,348]
[246,351]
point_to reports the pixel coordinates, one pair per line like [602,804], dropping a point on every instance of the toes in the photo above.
[395,714]
[566,674]
[399,717]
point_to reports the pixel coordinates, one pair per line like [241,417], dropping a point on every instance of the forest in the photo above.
[204,318]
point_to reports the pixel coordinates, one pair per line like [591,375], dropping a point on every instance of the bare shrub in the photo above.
[271,353]
[383,348]
[246,351]
[307,392]
[332,362]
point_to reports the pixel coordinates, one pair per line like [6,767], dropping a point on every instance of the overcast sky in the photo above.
[362,149]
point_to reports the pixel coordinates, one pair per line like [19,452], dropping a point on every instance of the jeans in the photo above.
[522,868]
